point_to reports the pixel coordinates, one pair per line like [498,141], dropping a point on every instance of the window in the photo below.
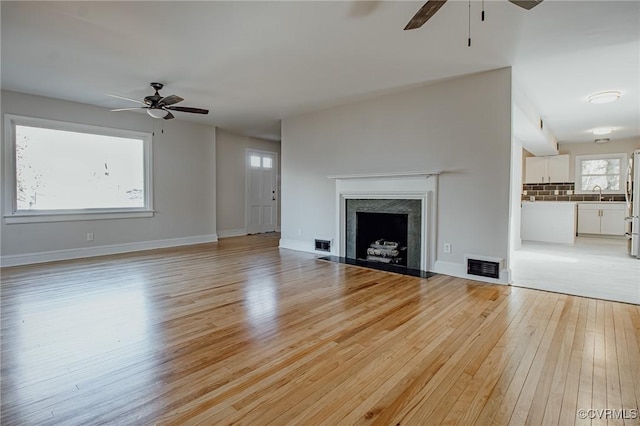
[600,172]
[60,171]
[255,161]
[261,161]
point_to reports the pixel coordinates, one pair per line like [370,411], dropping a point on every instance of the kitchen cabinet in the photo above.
[601,218]
[548,221]
[554,168]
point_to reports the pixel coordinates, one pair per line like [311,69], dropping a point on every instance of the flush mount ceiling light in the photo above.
[601,140]
[604,97]
[602,131]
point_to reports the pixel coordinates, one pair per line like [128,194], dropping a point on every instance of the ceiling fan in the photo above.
[432,6]
[158,106]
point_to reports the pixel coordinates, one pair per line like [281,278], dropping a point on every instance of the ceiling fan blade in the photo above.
[168,116]
[526,4]
[126,99]
[128,109]
[425,13]
[170,100]
[188,109]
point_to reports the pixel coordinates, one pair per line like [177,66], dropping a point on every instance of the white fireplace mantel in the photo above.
[390,175]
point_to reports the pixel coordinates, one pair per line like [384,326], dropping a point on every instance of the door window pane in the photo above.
[255,161]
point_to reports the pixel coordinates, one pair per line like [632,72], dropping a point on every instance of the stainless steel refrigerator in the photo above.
[633,203]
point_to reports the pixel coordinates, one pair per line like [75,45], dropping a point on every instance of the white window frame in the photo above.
[12,215]
[578,171]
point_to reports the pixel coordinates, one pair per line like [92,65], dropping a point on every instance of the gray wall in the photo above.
[184,182]
[613,147]
[231,179]
[462,127]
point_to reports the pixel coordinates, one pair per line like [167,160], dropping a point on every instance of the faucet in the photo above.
[599,189]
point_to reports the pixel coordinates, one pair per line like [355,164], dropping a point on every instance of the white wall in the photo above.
[462,127]
[231,179]
[184,188]
[517,158]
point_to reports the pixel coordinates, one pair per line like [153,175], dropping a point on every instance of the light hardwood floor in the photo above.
[242,332]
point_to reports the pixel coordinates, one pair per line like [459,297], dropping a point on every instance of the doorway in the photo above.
[261,191]
[593,266]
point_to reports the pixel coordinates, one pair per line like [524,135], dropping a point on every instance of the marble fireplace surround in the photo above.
[411,208]
[420,186]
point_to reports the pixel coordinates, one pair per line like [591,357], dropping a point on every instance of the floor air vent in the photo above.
[483,268]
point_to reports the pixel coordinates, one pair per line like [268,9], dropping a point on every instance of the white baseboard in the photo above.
[306,246]
[228,233]
[55,255]
[459,270]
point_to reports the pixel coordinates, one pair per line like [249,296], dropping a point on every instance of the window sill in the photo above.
[40,217]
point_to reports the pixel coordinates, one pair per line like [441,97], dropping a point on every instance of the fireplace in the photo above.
[382,237]
[369,199]
[384,231]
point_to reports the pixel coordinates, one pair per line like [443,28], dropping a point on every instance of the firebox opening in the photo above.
[382,237]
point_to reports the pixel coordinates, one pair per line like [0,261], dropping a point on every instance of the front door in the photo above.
[261,191]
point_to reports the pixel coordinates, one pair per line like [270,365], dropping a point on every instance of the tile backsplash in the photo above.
[546,192]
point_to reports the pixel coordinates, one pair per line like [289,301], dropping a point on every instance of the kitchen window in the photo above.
[605,172]
[58,171]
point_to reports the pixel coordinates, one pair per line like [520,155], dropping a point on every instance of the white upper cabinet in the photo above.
[554,168]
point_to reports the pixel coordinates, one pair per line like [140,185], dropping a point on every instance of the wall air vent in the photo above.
[323,245]
[483,266]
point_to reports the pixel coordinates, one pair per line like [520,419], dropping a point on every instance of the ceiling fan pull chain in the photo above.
[469,18]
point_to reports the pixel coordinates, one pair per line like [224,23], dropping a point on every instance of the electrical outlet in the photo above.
[524,192]
[569,192]
[556,192]
[89,236]
[447,247]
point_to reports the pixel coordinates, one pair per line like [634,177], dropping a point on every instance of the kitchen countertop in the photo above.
[551,202]
[600,202]
[574,202]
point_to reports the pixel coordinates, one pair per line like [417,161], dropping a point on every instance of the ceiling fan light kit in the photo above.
[157,112]
[158,106]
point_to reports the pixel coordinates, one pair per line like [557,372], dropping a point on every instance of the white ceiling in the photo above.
[254,63]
